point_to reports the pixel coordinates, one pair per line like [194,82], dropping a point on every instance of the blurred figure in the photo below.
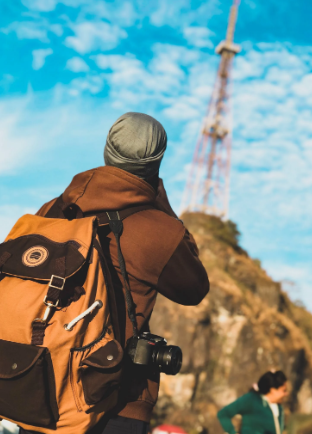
[261,409]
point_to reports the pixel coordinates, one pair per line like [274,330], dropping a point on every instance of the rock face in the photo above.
[245,326]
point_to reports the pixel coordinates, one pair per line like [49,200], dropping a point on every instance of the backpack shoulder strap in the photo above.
[112,302]
[70,211]
[103,218]
[116,226]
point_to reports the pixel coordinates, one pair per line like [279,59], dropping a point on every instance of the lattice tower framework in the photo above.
[208,184]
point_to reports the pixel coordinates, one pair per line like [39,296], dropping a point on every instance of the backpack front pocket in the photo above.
[27,386]
[98,374]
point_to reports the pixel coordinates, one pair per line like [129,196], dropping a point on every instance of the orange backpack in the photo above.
[60,355]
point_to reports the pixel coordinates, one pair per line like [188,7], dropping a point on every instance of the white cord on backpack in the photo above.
[96,305]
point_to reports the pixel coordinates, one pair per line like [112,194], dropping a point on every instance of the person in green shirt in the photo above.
[260,408]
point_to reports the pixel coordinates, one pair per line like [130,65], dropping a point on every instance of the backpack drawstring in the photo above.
[96,305]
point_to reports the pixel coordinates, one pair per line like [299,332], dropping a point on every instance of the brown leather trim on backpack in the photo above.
[16,255]
[57,282]
[101,372]
[51,301]
[56,209]
[63,210]
[4,257]
[108,356]
[27,384]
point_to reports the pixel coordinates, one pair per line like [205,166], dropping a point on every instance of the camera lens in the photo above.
[169,359]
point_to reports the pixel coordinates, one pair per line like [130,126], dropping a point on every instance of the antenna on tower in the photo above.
[207,187]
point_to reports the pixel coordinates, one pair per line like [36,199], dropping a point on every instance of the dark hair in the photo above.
[271,380]
[153,181]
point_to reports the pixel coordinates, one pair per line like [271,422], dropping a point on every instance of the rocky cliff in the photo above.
[245,326]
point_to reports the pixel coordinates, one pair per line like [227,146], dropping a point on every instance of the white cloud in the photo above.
[184,109]
[57,29]
[304,87]
[163,80]
[165,11]
[169,13]
[129,76]
[92,83]
[117,62]
[28,30]
[178,53]
[39,57]
[16,148]
[244,68]
[77,64]
[40,5]
[33,128]
[198,36]
[124,13]
[276,75]
[92,36]
[38,28]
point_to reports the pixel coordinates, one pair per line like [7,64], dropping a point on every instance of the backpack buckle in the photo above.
[39,321]
[45,316]
[49,304]
[57,282]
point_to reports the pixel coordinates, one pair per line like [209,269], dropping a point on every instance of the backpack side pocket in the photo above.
[101,372]
[98,375]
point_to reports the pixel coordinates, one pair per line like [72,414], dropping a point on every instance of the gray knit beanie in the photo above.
[136,143]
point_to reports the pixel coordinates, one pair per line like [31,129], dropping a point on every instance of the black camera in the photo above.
[152,350]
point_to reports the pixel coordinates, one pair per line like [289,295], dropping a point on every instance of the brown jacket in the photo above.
[160,255]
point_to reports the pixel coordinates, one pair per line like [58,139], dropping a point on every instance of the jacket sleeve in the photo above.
[184,279]
[225,415]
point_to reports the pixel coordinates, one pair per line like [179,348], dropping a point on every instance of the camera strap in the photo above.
[116,226]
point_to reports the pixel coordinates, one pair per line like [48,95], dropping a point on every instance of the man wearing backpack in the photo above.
[159,253]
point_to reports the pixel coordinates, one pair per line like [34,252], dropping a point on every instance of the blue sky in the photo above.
[69,68]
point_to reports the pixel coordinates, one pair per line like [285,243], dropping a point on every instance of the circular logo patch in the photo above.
[35,256]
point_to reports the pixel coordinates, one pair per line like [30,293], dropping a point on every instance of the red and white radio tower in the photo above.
[207,188]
